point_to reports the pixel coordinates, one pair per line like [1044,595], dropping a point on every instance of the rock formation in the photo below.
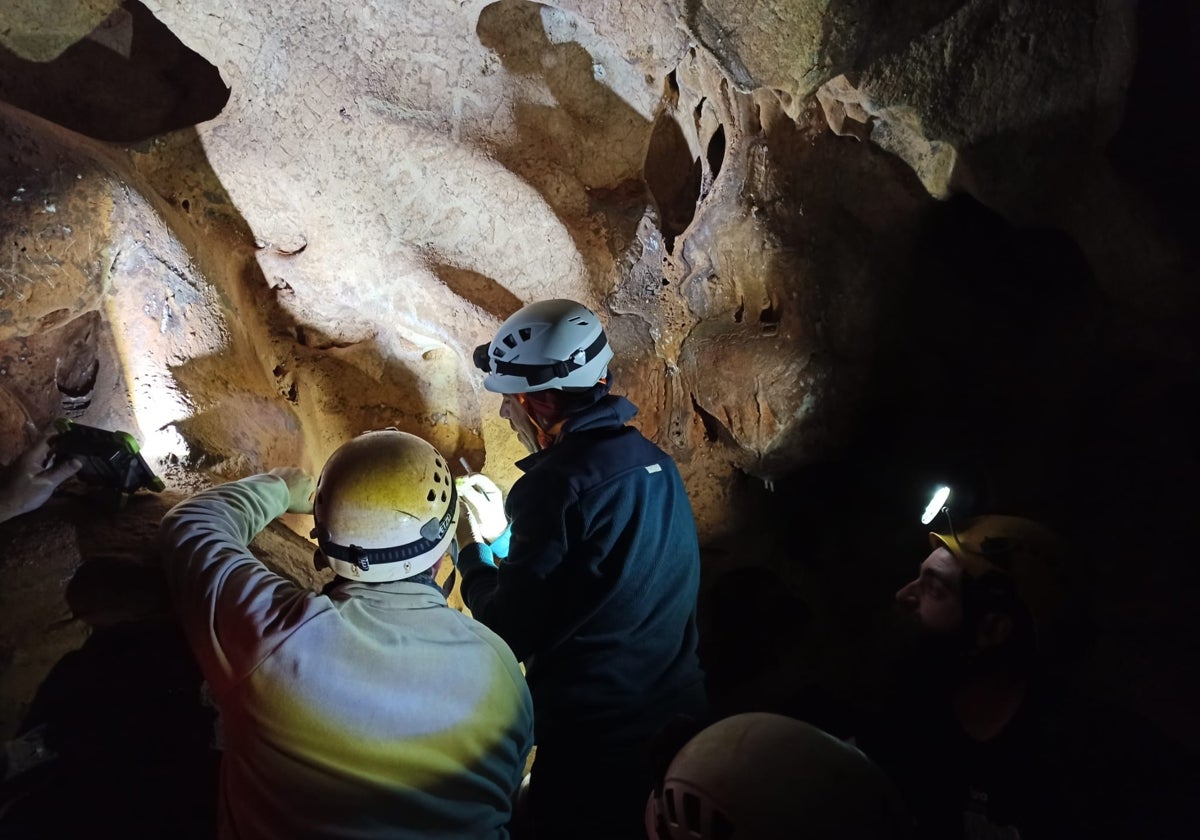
[248,231]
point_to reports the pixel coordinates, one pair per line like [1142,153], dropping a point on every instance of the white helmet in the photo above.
[548,344]
[771,777]
[386,507]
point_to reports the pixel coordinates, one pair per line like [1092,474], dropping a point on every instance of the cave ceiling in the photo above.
[248,231]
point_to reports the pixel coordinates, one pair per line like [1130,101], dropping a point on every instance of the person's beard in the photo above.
[925,659]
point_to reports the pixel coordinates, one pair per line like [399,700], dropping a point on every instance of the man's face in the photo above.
[935,597]
[513,410]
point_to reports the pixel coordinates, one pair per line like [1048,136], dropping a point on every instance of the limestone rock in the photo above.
[124,78]
[47,27]
[58,228]
[386,184]
[933,77]
[898,130]
[321,258]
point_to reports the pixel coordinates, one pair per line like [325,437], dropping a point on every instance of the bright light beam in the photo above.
[935,504]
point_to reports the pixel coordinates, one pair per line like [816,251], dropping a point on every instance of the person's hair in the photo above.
[424,577]
[556,404]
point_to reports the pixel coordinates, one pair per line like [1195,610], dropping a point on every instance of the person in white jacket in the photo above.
[371,709]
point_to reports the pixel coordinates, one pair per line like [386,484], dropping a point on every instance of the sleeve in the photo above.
[515,598]
[499,546]
[233,609]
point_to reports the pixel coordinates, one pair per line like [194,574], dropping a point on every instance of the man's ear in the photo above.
[437,566]
[995,629]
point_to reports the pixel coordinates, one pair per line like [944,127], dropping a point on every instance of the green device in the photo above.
[109,458]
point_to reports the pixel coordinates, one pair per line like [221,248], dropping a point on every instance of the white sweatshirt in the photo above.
[374,711]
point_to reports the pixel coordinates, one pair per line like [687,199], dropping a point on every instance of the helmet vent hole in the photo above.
[691,812]
[437,462]
[431,497]
[722,828]
[437,478]
[443,495]
[509,341]
[669,798]
[526,333]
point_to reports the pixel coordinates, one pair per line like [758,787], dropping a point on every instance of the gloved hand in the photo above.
[484,505]
[300,485]
[29,481]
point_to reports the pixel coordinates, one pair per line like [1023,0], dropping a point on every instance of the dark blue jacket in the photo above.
[598,593]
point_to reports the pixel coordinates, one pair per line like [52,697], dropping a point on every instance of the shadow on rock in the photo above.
[128,80]
[117,743]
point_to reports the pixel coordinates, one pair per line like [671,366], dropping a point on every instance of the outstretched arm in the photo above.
[234,610]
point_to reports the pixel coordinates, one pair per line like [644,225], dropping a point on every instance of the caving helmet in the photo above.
[1024,555]
[772,777]
[385,509]
[548,344]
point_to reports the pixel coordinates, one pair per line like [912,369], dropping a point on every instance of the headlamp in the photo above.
[482,359]
[936,504]
[540,374]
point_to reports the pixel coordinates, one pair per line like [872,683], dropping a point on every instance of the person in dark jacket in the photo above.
[590,572]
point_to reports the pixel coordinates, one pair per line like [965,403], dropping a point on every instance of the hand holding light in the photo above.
[29,481]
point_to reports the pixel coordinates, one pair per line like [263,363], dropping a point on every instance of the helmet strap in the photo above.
[452,550]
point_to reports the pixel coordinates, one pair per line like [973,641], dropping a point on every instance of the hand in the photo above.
[30,480]
[301,487]
[484,505]
[466,532]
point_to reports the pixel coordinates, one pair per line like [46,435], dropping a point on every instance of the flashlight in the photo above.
[937,503]
[481,358]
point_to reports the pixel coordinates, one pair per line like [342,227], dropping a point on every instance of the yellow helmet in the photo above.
[386,507]
[1026,553]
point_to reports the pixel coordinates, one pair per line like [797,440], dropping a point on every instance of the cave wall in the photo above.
[841,247]
[367,192]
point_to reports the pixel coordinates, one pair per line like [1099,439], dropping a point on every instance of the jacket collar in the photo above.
[610,412]
[397,594]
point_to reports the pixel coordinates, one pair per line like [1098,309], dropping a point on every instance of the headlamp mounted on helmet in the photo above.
[547,345]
